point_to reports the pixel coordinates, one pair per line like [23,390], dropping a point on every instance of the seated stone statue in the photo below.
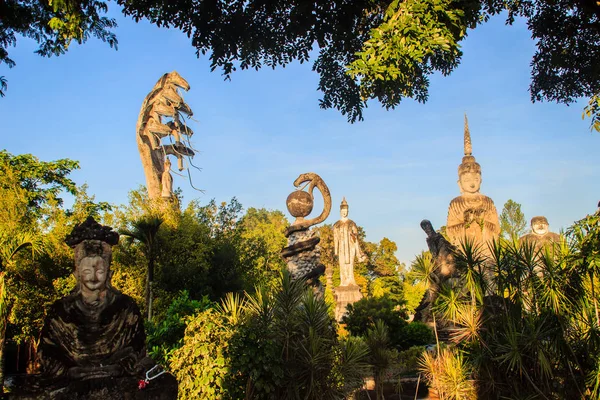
[472,215]
[540,233]
[93,343]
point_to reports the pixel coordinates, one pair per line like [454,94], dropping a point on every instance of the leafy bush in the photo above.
[278,344]
[415,334]
[362,315]
[201,364]
[409,360]
[166,335]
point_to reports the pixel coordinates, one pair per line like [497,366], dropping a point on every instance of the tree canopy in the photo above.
[512,220]
[362,50]
[53,24]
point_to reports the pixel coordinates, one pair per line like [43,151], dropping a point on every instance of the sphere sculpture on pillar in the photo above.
[302,254]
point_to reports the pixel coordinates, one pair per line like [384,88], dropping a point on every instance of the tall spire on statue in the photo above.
[469,164]
[468,147]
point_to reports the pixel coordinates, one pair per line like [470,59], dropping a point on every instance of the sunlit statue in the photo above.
[471,215]
[302,253]
[540,233]
[441,251]
[442,271]
[95,331]
[346,245]
[93,343]
[167,180]
[347,249]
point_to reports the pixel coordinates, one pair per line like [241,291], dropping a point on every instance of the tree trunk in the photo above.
[2,365]
[149,281]
[379,386]
[3,315]
[594,298]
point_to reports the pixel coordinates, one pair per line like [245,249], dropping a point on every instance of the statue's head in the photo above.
[427,227]
[539,225]
[469,181]
[469,171]
[92,265]
[344,208]
[92,244]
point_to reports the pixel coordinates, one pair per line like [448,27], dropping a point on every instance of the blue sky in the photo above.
[257,133]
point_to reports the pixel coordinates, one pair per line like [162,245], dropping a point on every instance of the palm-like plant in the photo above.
[422,270]
[312,362]
[145,231]
[380,354]
[304,332]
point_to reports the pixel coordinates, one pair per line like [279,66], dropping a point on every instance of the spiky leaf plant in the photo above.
[526,318]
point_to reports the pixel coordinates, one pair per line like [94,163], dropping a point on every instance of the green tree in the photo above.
[384,271]
[389,286]
[512,220]
[165,334]
[363,314]
[198,249]
[383,260]
[592,111]
[11,243]
[367,49]
[30,210]
[53,24]
[262,236]
[384,50]
[201,370]
[30,186]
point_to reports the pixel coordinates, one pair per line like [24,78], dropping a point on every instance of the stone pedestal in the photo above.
[345,295]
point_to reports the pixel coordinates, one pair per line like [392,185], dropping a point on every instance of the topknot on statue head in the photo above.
[92,230]
[344,204]
[90,239]
[539,219]
[469,165]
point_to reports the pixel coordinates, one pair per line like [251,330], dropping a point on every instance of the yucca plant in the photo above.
[380,354]
[281,344]
[526,318]
[449,375]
